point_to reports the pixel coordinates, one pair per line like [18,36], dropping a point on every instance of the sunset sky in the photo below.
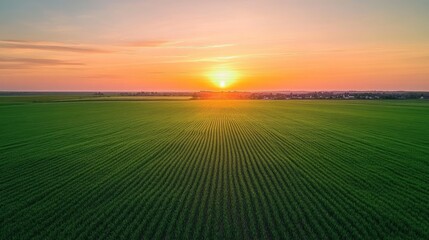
[176,45]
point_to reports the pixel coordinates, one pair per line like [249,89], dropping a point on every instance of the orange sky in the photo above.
[180,45]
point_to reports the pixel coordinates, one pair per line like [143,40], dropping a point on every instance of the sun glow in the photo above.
[222,84]
[223,78]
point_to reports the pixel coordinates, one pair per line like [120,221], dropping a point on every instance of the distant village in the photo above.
[279,95]
[346,95]
[341,95]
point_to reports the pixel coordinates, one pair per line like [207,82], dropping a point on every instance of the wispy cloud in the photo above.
[213,59]
[8,66]
[222,59]
[206,46]
[49,46]
[173,44]
[149,43]
[21,63]
[101,76]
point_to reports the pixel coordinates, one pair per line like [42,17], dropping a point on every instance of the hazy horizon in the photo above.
[202,90]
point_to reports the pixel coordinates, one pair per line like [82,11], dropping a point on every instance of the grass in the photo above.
[214,169]
[25,99]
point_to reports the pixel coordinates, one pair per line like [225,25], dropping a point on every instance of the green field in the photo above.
[214,170]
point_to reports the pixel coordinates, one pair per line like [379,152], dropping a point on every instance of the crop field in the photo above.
[214,169]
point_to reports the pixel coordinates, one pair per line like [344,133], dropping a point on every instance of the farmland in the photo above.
[214,169]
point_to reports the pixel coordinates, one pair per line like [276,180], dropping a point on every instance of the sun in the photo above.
[222,84]
[223,78]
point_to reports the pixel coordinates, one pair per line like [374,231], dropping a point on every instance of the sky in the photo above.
[192,45]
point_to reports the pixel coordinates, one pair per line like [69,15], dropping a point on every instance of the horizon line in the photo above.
[195,91]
